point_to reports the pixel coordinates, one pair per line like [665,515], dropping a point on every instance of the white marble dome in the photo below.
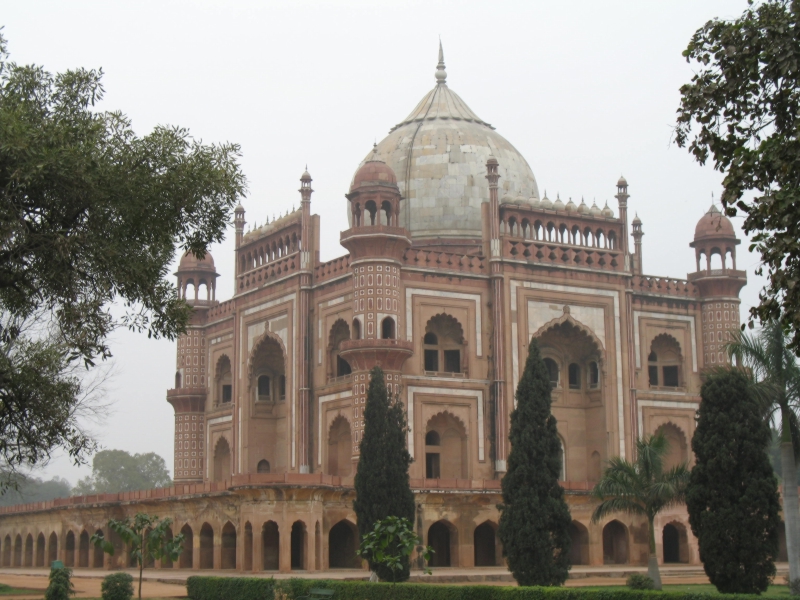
[439,154]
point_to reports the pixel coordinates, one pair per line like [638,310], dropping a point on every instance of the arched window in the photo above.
[264,388]
[223,378]
[356,329]
[574,373]
[177,380]
[338,367]
[552,370]
[281,387]
[432,443]
[387,328]
[263,466]
[665,363]
[340,448]
[594,375]
[222,460]
[444,346]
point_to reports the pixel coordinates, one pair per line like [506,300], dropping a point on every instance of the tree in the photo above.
[740,109]
[642,488]
[25,488]
[390,544]
[120,471]
[381,482]
[147,538]
[776,383]
[534,518]
[90,215]
[732,496]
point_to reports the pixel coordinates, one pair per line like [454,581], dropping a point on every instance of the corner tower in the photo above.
[376,243]
[718,282]
[188,397]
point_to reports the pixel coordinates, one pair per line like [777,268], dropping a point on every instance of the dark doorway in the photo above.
[342,546]
[439,541]
[298,545]
[579,552]
[615,544]
[186,559]
[206,547]
[485,546]
[270,546]
[228,546]
[671,541]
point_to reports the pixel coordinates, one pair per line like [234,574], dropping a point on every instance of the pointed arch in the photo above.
[568,318]
[222,459]
[263,339]
[338,366]
[340,447]
[449,458]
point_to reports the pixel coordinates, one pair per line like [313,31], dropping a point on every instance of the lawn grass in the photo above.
[7,590]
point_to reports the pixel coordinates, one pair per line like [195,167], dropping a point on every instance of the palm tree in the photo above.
[642,488]
[776,381]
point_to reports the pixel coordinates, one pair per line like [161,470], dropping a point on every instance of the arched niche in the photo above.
[447,459]
[223,380]
[267,371]
[222,460]
[340,448]
[665,362]
[342,546]
[678,452]
[444,346]
[338,366]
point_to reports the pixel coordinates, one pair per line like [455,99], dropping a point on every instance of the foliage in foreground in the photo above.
[91,215]
[740,110]
[390,544]
[732,497]
[60,587]
[146,536]
[121,471]
[381,482]
[117,586]
[642,488]
[534,517]
[244,588]
[639,581]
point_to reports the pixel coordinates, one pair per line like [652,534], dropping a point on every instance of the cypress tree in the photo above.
[381,482]
[732,496]
[534,518]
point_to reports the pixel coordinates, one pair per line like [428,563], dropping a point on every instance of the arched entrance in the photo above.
[40,543]
[579,552]
[69,550]
[270,546]
[342,545]
[83,550]
[97,554]
[228,546]
[29,551]
[441,539]
[675,543]
[206,547]
[186,560]
[52,548]
[298,543]
[485,545]
[7,551]
[615,544]
[248,546]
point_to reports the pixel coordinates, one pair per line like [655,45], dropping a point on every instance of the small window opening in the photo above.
[342,367]
[670,376]
[263,466]
[652,373]
[552,370]
[356,329]
[594,375]
[431,360]
[282,387]
[227,392]
[263,387]
[574,377]
[387,328]
[432,438]
[452,361]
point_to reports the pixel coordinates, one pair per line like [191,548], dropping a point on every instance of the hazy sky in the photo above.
[584,90]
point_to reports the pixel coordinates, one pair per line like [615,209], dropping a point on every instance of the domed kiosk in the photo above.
[195,272]
[439,154]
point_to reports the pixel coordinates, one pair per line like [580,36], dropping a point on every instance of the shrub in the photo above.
[117,586]
[639,581]
[230,588]
[60,587]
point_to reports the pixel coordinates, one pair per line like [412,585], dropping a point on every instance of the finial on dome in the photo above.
[441,74]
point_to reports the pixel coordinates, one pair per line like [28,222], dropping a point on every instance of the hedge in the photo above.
[251,588]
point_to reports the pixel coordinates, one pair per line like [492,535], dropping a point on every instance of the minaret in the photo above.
[188,397]
[622,198]
[376,243]
[715,240]
[304,358]
[637,234]
[238,221]
[498,319]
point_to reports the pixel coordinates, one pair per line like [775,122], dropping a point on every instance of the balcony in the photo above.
[389,354]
